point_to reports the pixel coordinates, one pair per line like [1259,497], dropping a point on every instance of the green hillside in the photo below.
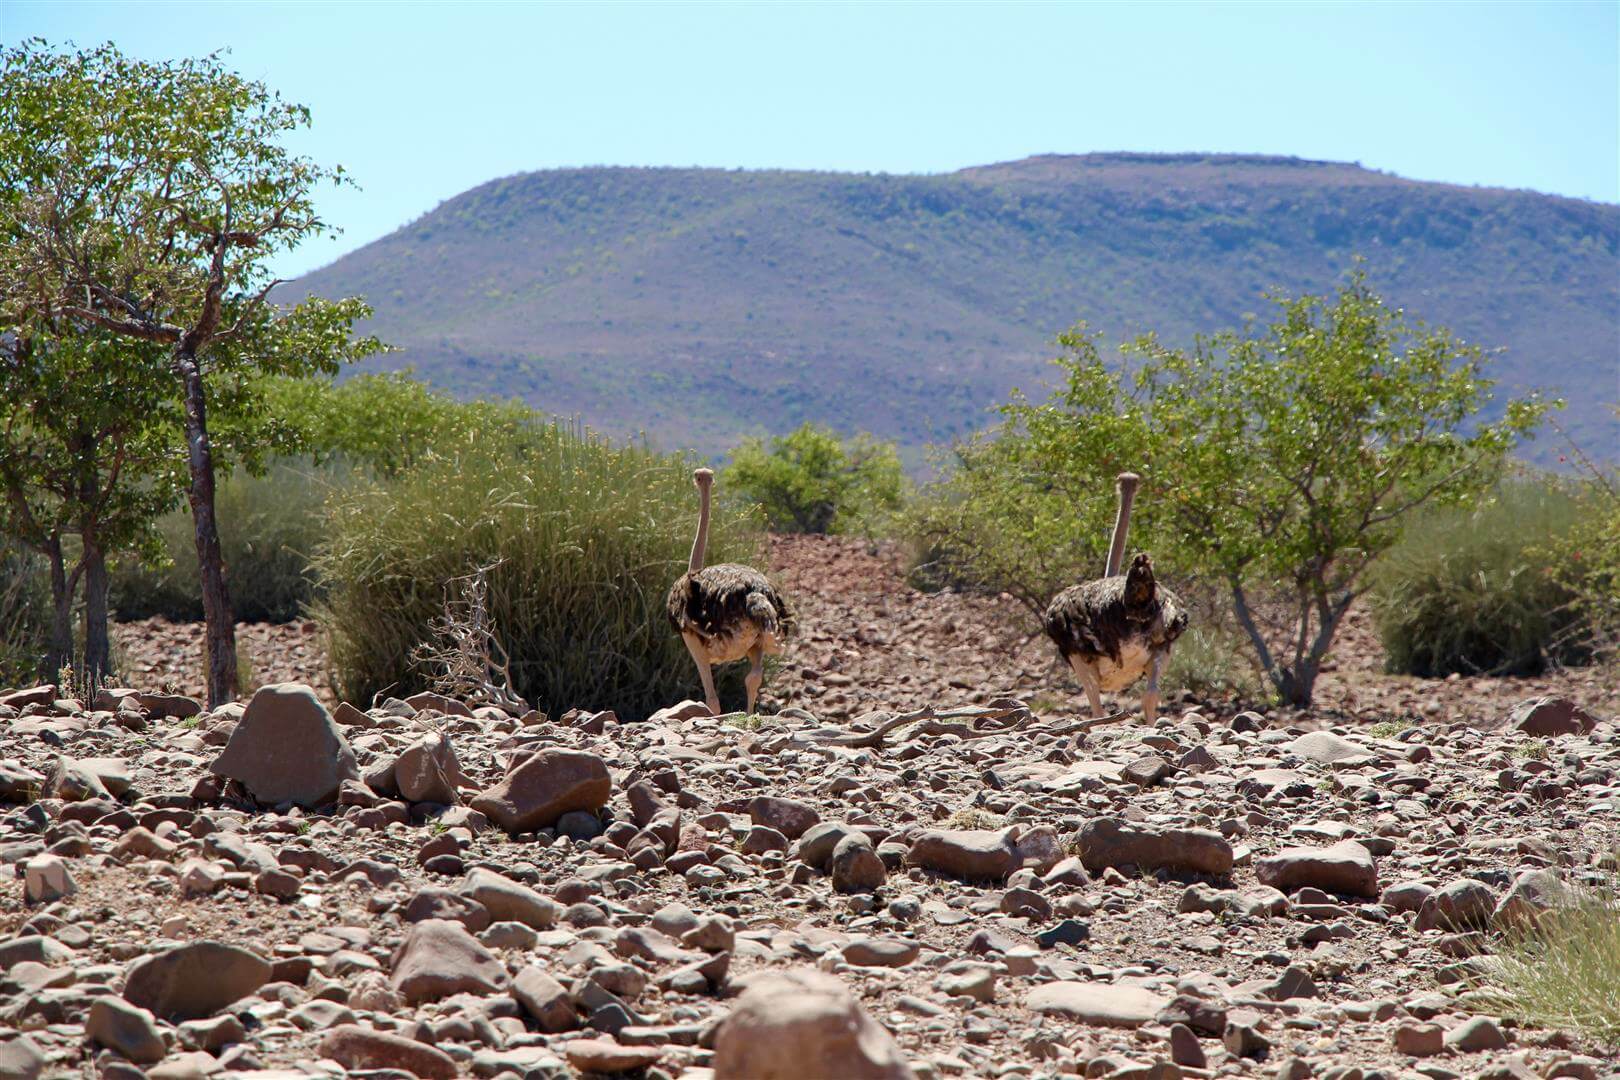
[701,305]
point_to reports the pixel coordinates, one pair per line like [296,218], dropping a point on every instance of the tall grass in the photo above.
[25,615]
[1559,972]
[585,536]
[269,526]
[1472,592]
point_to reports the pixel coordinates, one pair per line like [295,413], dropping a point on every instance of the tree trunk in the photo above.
[61,648]
[221,623]
[97,646]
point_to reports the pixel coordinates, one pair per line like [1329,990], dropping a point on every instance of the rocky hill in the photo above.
[700,305]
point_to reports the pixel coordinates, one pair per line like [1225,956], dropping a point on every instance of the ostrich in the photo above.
[726,612]
[1113,629]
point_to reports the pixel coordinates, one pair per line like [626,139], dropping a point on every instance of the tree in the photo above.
[1279,461]
[83,450]
[811,481]
[144,200]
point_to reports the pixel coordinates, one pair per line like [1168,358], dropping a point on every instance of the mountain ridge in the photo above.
[702,305]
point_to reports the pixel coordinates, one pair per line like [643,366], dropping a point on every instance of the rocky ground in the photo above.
[999,890]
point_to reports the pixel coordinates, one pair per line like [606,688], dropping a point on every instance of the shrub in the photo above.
[269,526]
[585,538]
[1472,591]
[1558,972]
[25,615]
[811,481]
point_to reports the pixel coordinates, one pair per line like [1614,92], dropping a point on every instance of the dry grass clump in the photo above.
[583,538]
[1560,970]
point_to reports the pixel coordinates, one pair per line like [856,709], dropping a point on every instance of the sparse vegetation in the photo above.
[812,481]
[973,817]
[584,537]
[1558,971]
[1474,591]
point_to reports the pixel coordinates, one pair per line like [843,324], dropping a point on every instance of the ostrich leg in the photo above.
[696,649]
[1093,685]
[756,674]
[1150,696]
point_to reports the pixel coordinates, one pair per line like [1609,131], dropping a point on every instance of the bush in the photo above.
[1559,971]
[269,526]
[811,481]
[1473,592]
[585,538]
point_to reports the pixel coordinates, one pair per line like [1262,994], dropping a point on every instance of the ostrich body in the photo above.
[1119,627]
[726,612]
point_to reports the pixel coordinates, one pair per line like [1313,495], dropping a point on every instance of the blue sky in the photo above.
[422,101]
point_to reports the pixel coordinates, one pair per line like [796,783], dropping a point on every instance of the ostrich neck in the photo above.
[700,542]
[1122,524]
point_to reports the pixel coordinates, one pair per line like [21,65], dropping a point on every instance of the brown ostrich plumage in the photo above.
[1113,620]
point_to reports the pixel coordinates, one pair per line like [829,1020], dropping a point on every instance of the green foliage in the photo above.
[811,481]
[1279,461]
[270,525]
[585,538]
[1211,661]
[389,422]
[1473,591]
[1558,971]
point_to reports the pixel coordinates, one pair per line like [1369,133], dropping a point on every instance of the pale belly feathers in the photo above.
[736,643]
[1134,659]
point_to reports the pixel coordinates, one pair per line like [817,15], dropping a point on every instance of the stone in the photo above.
[511,901]
[428,771]
[434,903]
[881,952]
[1099,1004]
[1345,868]
[1532,892]
[21,1059]
[439,958]
[1419,1039]
[802,1023]
[544,787]
[46,878]
[196,980]
[855,866]
[1106,841]
[1185,1048]
[287,749]
[1326,748]
[789,817]
[545,999]
[1067,932]
[71,781]
[1406,895]
[126,1029]
[1464,904]
[606,1056]
[357,1048]
[763,838]
[1480,1033]
[968,854]
[817,843]
[1549,717]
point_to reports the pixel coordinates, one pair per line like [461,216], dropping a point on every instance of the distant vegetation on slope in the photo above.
[704,305]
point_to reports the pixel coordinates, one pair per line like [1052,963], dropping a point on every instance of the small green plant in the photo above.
[304,827]
[1532,750]
[1210,659]
[745,721]
[1388,729]
[974,817]
[811,481]
[1558,970]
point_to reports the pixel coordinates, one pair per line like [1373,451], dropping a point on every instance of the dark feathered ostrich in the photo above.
[1114,629]
[726,612]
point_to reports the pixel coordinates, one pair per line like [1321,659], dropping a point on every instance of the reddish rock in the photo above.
[543,788]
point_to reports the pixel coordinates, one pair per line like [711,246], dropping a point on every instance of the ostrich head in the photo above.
[1140,584]
[703,478]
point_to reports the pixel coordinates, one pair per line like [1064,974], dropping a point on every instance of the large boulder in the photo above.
[1097,1004]
[510,901]
[196,980]
[544,787]
[429,771]
[802,1023]
[1106,842]
[287,749]
[439,958]
[1345,868]
[1544,717]
[969,854]
[127,1029]
[359,1048]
